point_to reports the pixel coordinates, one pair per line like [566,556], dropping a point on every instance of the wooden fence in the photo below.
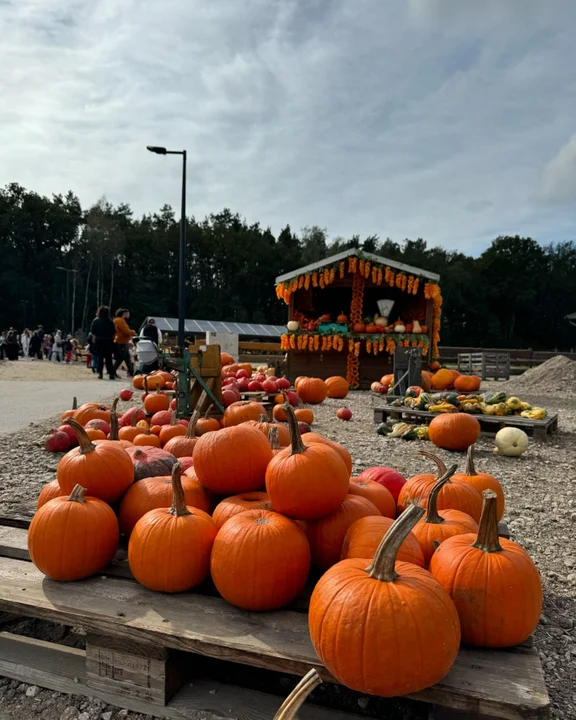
[519,359]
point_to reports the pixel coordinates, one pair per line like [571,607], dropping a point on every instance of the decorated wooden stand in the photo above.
[335,324]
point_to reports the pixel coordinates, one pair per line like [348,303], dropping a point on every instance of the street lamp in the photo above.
[182,254]
[182,395]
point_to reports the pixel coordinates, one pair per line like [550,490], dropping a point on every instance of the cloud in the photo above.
[559,178]
[435,119]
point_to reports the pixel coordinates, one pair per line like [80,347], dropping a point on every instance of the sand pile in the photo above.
[556,374]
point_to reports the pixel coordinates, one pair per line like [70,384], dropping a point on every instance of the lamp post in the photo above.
[181,403]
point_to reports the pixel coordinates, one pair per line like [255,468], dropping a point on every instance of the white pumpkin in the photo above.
[399,327]
[511,442]
[293,325]
[380,321]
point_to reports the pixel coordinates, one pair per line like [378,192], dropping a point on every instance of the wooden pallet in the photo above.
[141,647]
[485,364]
[539,429]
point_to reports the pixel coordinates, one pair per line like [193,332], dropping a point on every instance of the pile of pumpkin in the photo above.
[255,517]
[440,380]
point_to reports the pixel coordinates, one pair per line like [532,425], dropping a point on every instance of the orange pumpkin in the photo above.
[264,426]
[156,492]
[454,431]
[138,382]
[306,481]
[50,491]
[154,382]
[233,460]
[73,537]
[365,535]
[303,415]
[235,504]
[105,470]
[359,609]
[260,560]
[493,582]
[207,423]
[376,493]
[442,380]
[426,381]
[434,365]
[241,412]
[172,430]
[438,525]
[91,411]
[183,444]
[298,381]
[326,534]
[226,359]
[147,439]
[312,390]
[95,434]
[337,387]
[467,383]
[278,413]
[156,401]
[387,380]
[169,548]
[452,496]
[315,438]
[480,481]
[128,432]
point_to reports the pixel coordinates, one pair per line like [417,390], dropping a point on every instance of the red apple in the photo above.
[344,414]
[126,394]
[282,383]
[386,476]
[269,386]
[254,386]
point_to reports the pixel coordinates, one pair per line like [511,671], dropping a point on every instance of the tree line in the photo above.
[61,261]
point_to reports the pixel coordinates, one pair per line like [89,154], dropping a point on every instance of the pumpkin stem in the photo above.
[146,384]
[432,515]
[487,539]
[133,419]
[470,469]
[436,460]
[263,418]
[293,702]
[191,429]
[172,418]
[178,508]
[86,445]
[382,566]
[74,403]
[295,437]
[114,420]
[207,413]
[273,438]
[77,494]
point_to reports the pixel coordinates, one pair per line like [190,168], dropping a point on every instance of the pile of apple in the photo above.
[239,381]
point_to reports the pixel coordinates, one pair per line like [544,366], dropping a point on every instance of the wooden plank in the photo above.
[62,669]
[275,640]
[260,347]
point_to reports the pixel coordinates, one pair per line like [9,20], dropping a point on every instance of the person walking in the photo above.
[58,347]
[12,344]
[35,348]
[122,339]
[47,346]
[67,347]
[3,355]
[103,331]
[25,342]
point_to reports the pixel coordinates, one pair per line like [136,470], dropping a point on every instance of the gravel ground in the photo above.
[541,513]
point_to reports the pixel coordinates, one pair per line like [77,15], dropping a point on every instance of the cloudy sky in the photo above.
[453,120]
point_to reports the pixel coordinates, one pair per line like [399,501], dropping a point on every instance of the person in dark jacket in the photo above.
[35,346]
[103,332]
[150,331]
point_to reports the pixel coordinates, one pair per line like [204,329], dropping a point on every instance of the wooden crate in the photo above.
[539,429]
[142,645]
[485,364]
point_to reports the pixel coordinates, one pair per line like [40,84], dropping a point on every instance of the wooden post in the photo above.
[127,668]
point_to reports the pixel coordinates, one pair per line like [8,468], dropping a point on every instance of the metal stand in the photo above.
[407,369]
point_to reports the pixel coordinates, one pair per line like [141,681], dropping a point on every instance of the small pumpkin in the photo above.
[91,411]
[312,390]
[365,535]
[260,560]
[130,432]
[183,444]
[236,504]
[207,423]
[312,438]
[467,383]
[454,431]
[442,380]
[233,460]
[292,325]
[306,481]
[326,534]
[278,413]
[242,411]
[437,525]
[147,439]
[156,401]
[93,434]
[50,491]
[169,548]
[264,426]
[72,537]
[511,442]
[162,417]
[493,582]
[226,359]
[103,470]
[390,478]
[342,319]
[378,494]
[337,387]
[387,380]
[304,415]
[357,607]
[480,481]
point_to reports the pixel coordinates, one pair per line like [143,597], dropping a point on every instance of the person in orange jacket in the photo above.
[122,340]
